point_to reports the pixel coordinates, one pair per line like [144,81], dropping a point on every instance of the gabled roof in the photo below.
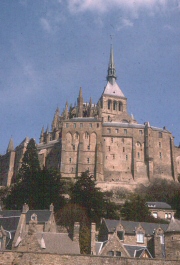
[59,243]
[113,90]
[174,225]
[137,251]
[130,226]
[158,205]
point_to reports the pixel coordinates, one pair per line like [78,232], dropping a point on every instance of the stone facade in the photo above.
[104,139]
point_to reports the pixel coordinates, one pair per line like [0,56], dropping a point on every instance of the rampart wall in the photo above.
[24,258]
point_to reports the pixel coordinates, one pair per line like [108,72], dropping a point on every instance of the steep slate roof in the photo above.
[59,243]
[174,225]
[158,205]
[9,223]
[136,251]
[113,90]
[131,226]
[42,215]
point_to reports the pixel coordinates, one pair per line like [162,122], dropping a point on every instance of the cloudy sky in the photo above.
[51,48]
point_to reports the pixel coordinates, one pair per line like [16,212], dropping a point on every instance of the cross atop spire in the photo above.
[111,77]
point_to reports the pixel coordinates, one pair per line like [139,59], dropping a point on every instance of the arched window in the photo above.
[114,105]
[109,104]
[120,106]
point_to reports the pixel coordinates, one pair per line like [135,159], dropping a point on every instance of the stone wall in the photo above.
[20,258]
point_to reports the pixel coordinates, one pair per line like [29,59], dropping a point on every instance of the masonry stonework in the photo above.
[103,139]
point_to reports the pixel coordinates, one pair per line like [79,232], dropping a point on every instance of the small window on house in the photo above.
[120,235]
[108,130]
[166,216]
[160,155]
[126,157]
[125,131]
[111,253]
[160,134]
[81,125]
[162,239]
[90,125]
[112,139]
[88,147]
[140,132]
[74,125]
[116,130]
[160,144]
[120,106]
[140,238]
[109,104]
[155,215]
[88,160]
[67,125]
[118,254]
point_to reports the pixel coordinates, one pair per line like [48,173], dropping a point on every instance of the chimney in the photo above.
[76,232]
[51,208]
[93,239]
[25,208]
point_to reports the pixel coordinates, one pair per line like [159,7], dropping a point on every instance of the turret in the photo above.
[10,146]
[42,135]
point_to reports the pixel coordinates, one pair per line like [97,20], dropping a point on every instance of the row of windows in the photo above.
[125,131]
[116,105]
[140,236]
[114,156]
[71,160]
[75,125]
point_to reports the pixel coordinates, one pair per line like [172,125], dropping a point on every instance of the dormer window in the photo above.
[120,235]
[140,238]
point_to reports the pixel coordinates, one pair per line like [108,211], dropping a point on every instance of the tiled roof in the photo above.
[131,226]
[59,243]
[113,90]
[158,205]
[42,215]
[174,225]
[9,223]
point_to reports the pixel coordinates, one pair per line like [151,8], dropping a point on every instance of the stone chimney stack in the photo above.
[93,239]
[76,232]
[25,208]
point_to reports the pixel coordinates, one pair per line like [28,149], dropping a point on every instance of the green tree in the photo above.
[135,209]
[38,188]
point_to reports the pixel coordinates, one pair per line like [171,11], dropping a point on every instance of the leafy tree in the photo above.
[38,188]
[135,209]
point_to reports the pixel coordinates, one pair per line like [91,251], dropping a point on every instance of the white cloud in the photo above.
[132,5]
[45,24]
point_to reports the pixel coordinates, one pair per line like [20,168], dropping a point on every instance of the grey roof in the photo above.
[42,215]
[136,251]
[9,223]
[174,225]
[130,226]
[59,243]
[158,205]
[83,119]
[113,90]
[123,125]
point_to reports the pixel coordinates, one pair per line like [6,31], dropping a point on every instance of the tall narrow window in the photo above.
[160,155]
[114,105]
[126,157]
[109,104]
[120,106]
[112,139]
[125,131]
[88,160]
[160,134]
[140,238]
[74,125]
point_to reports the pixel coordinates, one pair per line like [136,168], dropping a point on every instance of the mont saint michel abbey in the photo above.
[102,138]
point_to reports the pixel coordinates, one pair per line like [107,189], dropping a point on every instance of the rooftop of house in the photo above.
[136,251]
[131,226]
[158,205]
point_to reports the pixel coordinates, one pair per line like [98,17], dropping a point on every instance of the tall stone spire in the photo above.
[111,77]
[10,146]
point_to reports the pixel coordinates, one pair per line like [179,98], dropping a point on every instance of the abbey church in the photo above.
[103,139]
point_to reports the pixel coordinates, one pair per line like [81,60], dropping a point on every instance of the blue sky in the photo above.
[49,49]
